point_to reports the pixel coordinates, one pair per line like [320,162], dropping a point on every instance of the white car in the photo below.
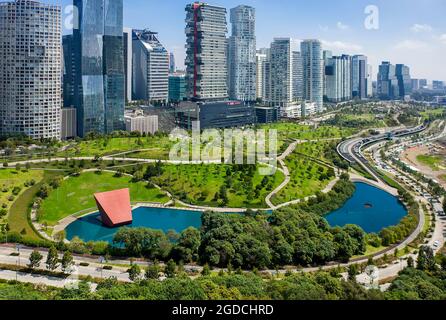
[436,244]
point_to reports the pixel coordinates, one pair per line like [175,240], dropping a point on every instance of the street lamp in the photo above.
[101,261]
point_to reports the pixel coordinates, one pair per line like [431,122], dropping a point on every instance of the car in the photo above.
[436,244]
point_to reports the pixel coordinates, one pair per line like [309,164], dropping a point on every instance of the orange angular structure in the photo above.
[115,207]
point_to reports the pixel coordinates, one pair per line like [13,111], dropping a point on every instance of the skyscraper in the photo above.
[369,81]
[242,54]
[68,71]
[128,66]
[338,72]
[99,63]
[387,85]
[30,69]
[172,65]
[150,68]
[402,74]
[261,59]
[206,46]
[313,75]
[297,74]
[359,77]
[281,74]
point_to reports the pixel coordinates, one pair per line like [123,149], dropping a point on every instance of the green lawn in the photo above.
[18,218]
[76,194]
[436,163]
[307,178]
[295,131]
[199,184]
[10,178]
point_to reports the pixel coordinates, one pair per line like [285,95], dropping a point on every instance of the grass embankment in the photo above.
[75,194]
[18,218]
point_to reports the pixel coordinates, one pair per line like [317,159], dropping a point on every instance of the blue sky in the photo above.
[410,31]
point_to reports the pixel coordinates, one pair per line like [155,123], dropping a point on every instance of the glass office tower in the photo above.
[99,66]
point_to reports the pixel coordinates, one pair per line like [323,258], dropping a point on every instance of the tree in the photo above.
[67,262]
[52,260]
[206,270]
[34,259]
[170,269]
[134,272]
[410,262]
[353,271]
[426,259]
[153,271]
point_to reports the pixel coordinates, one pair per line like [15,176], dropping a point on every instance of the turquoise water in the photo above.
[385,211]
[89,228]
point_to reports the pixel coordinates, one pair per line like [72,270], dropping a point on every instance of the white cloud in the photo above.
[411,45]
[339,45]
[342,26]
[421,28]
[442,38]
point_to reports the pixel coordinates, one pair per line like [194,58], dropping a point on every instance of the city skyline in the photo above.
[401,38]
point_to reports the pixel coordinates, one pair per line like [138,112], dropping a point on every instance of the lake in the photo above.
[370,208]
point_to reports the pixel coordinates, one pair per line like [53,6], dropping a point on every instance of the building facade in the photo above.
[242,54]
[150,68]
[68,71]
[206,52]
[177,87]
[338,75]
[359,72]
[313,73]
[68,123]
[99,94]
[387,85]
[267,114]
[139,122]
[402,73]
[172,65]
[215,115]
[30,69]
[128,65]
[281,72]
[261,61]
[298,76]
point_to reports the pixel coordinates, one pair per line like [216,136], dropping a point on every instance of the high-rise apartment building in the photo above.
[423,83]
[297,74]
[313,73]
[359,77]
[281,71]
[30,69]
[150,68]
[338,73]
[128,65]
[99,94]
[206,48]
[261,60]
[242,54]
[387,85]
